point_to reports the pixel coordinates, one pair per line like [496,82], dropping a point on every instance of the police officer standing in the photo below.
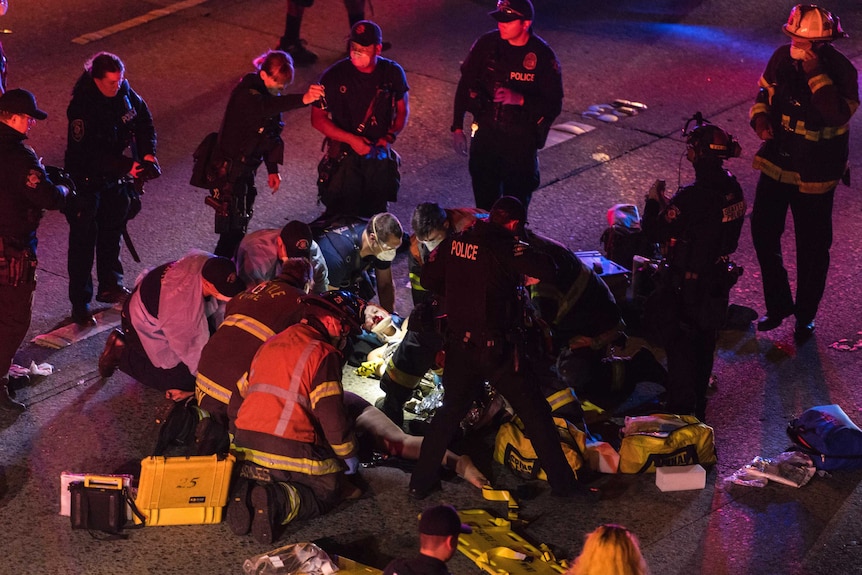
[250,134]
[25,192]
[367,108]
[808,93]
[512,86]
[106,118]
[480,273]
[699,228]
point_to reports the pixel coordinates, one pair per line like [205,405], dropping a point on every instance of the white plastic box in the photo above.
[680,478]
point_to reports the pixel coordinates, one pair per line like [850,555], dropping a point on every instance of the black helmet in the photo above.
[708,140]
[347,306]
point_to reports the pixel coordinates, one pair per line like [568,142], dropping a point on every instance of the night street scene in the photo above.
[625,280]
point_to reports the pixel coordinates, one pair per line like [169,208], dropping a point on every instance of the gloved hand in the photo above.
[459,142]
[352,464]
[762,127]
[508,97]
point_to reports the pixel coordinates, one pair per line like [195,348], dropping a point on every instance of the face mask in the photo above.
[431,244]
[386,255]
[798,53]
[360,59]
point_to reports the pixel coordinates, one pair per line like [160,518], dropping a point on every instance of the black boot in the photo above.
[392,404]
[271,506]
[7,404]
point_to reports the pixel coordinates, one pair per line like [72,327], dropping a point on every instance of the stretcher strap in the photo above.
[502,495]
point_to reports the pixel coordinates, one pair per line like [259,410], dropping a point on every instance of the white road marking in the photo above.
[143,19]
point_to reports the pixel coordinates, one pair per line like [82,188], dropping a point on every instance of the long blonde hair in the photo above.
[610,550]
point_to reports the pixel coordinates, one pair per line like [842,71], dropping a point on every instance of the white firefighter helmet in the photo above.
[810,22]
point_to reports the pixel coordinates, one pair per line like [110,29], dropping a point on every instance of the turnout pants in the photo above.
[812,220]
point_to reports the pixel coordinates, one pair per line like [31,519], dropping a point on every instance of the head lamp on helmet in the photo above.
[709,141]
[810,22]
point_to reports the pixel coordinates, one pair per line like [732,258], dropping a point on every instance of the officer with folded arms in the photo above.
[25,192]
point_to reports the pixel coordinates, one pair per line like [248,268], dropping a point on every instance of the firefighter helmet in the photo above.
[708,140]
[810,22]
[348,307]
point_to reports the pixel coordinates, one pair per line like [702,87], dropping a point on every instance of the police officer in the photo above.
[699,228]
[25,192]
[417,351]
[250,134]
[512,86]
[293,427]
[479,273]
[367,108]
[106,118]
[808,93]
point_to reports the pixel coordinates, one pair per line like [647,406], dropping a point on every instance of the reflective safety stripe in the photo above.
[416,282]
[294,387]
[324,390]
[249,325]
[788,177]
[798,128]
[819,81]
[294,464]
[756,109]
[561,398]
[204,385]
[402,378]
[343,449]
[574,294]
[242,385]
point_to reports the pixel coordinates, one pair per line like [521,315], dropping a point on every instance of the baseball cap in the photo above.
[366,33]
[442,520]
[221,272]
[506,209]
[20,101]
[296,237]
[510,10]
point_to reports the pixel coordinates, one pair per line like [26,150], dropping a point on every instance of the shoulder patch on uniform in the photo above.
[671,213]
[77,128]
[530,61]
[343,89]
[34,178]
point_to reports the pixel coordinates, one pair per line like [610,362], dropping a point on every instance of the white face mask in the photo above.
[386,255]
[431,244]
[798,53]
[360,59]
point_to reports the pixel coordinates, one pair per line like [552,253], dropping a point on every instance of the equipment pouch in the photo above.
[99,503]
[204,173]
[665,440]
[329,173]
[514,449]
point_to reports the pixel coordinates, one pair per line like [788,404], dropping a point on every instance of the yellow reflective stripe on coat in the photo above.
[324,390]
[402,378]
[561,398]
[295,464]
[343,449]
[249,325]
[798,128]
[788,177]
[416,282]
[204,385]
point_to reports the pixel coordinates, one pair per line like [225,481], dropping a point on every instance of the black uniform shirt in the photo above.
[531,70]
[349,93]
[101,129]
[478,271]
[705,218]
[340,243]
[25,191]
[252,125]
[418,565]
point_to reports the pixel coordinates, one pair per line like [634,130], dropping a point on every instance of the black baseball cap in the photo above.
[296,237]
[20,101]
[511,10]
[221,272]
[366,33]
[442,520]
